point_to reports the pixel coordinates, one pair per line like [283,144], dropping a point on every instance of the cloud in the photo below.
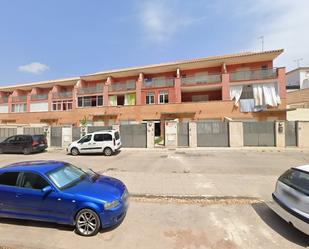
[160,19]
[34,68]
[284,25]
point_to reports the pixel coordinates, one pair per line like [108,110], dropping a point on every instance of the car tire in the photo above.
[87,223]
[26,151]
[108,151]
[74,152]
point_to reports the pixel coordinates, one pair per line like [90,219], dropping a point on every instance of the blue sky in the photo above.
[51,39]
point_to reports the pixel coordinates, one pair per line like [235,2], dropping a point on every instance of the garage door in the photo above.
[259,133]
[134,135]
[212,134]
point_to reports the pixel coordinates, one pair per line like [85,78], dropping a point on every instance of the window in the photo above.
[19,107]
[33,181]
[107,137]
[9,178]
[10,139]
[150,98]
[85,139]
[64,105]
[117,135]
[163,97]
[296,179]
[90,101]
[66,176]
[98,137]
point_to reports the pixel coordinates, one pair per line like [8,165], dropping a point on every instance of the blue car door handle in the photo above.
[18,195]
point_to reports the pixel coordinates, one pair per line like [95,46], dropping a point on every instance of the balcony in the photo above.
[19,98]
[158,82]
[4,100]
[35,97]
[200,79]
[62,95]
[122,86]
[91,89]
[261,74]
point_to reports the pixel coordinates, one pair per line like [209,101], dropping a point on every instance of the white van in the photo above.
[106,142]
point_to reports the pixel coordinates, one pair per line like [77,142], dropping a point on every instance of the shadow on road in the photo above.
[280,226]
[30,223]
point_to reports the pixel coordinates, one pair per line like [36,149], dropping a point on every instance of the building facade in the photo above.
[239,87]
[297,79]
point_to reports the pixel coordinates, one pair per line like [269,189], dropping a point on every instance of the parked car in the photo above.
[291,197]
[59,192]
[26,144]
[107,142]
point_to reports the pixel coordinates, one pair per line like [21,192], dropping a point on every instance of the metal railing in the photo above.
[62,95]
[201,79]
[19,98]
[158,82]
[261,74]
[122,86]
[39,96]
[4,100]
[91,89]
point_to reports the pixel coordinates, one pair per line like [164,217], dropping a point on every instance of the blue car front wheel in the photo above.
[87,223]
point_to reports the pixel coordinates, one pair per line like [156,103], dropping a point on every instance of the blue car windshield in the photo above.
[66,176]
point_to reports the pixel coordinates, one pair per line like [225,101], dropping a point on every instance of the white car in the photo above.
[291,197]
[106,142]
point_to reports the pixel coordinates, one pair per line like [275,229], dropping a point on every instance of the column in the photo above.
[225,86]
[236,134]
[303,134]
[138,89]
[192,135]
[28,101]
[280,133]
[281,82]
[177,87]
[150,134]
[108,82]
[10,103]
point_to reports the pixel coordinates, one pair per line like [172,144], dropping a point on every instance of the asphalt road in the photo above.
[175,225]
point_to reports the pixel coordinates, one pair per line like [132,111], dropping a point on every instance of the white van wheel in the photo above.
[108,151]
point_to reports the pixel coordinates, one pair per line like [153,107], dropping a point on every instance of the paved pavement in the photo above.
[219,172]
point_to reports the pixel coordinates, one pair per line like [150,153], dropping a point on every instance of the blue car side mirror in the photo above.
[47,190]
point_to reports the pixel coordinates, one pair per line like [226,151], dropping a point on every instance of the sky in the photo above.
[52,39]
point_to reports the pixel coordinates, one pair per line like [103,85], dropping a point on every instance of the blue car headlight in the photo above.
[110,205]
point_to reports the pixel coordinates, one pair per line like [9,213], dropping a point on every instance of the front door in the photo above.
[8,190]
[9,145]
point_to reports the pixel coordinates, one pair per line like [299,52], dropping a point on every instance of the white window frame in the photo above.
[19,109]
[61,103]
[163,93]
[150,96]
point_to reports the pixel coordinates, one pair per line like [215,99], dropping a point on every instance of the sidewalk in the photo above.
[188,184]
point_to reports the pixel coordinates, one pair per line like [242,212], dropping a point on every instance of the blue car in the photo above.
[59,192]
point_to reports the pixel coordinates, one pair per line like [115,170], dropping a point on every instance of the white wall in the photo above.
[300,114]
[4,108]
[304,78]
[39,107]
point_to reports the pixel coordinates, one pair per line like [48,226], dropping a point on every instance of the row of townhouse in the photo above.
[239,86]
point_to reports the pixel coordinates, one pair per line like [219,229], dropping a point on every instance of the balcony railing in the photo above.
[122,86]
[158,82]
[261,74]
[200,79]
[39,96]
[62,95]
[91,89]
[4,100]
[19,98]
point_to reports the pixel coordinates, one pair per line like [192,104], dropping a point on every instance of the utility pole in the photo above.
[298,61]
[262,41]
